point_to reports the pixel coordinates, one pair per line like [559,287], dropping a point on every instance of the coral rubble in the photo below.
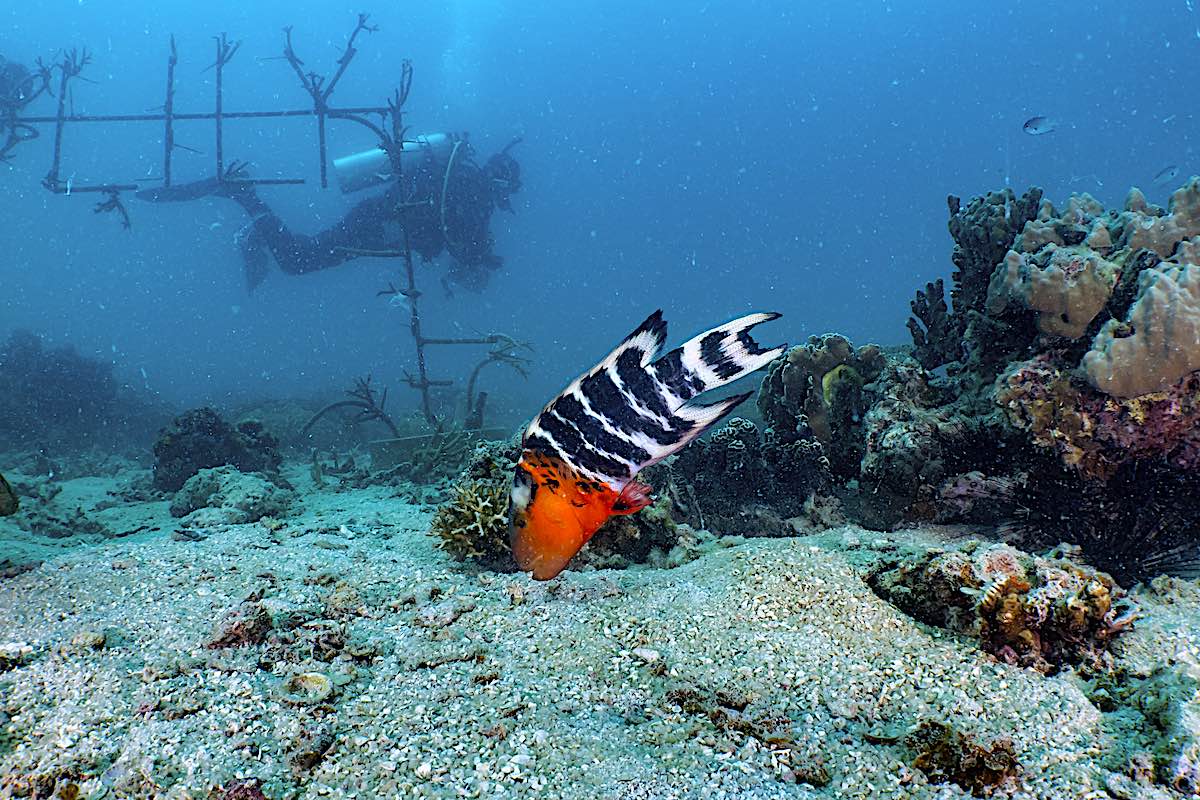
[248,624]
[239,790]
[947,755]
[1041,612]
[199,439]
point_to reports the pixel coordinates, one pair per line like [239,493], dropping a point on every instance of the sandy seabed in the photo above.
[762,669]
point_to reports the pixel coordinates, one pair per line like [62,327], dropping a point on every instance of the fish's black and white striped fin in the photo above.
[714,358]
[703,416]
[647,340]
[628,412]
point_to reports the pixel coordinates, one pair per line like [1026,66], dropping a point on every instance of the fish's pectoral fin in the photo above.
[633,498]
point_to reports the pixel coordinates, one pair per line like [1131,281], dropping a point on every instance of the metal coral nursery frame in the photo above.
[72,64]
[389,131]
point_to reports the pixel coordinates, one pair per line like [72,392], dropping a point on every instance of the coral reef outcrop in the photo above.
[983,233]
[886,426]
[1095,432]
[1158,343]
[1142,226]
[224,495]
[1074,336]
[1066,287]
[1059,396]
[741,481]
[54,397]
[200,439]
[816,390]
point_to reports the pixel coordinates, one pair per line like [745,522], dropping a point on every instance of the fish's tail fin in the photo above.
[703,416]
[709,361]
[714,358]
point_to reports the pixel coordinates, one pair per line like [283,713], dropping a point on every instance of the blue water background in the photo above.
[706,158]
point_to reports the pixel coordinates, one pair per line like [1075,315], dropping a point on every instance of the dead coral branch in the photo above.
[363,398]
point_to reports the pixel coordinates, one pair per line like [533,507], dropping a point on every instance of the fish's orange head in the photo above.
[555,511]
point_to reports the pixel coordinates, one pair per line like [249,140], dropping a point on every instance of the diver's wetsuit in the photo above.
[457,224]
[18,87]
[443,204]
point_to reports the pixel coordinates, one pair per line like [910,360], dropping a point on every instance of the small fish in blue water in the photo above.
[1038,126]
[1166,175]
[581,455]
[401,298]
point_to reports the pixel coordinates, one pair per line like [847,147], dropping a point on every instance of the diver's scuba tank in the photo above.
[373,167]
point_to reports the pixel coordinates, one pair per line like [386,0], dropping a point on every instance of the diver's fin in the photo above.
[255,259]
[233,182]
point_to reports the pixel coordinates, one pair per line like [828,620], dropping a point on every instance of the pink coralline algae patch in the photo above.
[1095,432]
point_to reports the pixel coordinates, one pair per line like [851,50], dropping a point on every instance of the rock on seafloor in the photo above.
[262,656]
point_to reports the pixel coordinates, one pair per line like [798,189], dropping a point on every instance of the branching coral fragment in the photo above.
[473,525]
[931,328]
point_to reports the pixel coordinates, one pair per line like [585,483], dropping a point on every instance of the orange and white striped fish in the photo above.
[581,454]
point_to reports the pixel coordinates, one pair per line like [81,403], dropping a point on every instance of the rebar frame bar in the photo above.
[71,66]
[168,113]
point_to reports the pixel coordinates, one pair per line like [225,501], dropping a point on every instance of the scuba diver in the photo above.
[442,200]
[19,86]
